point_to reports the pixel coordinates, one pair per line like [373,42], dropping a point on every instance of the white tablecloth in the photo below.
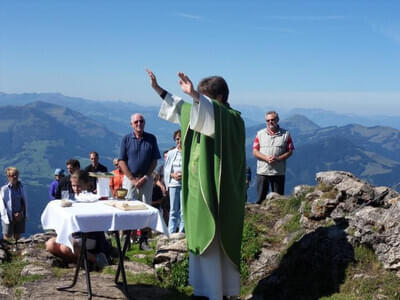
[97,216]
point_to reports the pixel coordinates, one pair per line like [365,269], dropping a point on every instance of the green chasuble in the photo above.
[213,182]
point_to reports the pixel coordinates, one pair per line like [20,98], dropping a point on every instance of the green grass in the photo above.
[134,251]
[324,187]
[18,293]
[177,277]
[329,194]
[292,204]
[12,273]
[252,241]
[60,272]
[293,225]
[340,297]
[366,278]
[306,208]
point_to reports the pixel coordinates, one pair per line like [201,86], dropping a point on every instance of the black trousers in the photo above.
[277,183]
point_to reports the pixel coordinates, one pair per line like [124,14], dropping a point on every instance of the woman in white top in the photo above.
[173,181]
[13,205]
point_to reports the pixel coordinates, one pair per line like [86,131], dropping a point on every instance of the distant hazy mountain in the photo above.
[324,118]
[40,131]
[371,153]
[39,137]
[115,115]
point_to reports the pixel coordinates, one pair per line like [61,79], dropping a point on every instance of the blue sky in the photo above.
[337,55]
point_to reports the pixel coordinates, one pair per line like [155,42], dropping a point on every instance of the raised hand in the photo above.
[153,78]
[185,83]
[159,90]
[187,86]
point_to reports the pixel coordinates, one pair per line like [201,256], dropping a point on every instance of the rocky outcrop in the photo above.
[312,267]
[340,213]
[372,214]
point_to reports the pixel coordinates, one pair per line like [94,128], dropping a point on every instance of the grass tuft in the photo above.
[12,273]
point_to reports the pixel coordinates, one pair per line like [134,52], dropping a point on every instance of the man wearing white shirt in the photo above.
[213,182]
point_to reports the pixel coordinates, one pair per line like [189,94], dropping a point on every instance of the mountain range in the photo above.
[40,134]
[371,153]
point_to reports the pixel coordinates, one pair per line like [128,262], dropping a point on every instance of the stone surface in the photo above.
[35,270]
[302,189]
[136,268]
[272,196]
[267,261]
[379,229]
[170,251]
[372,214]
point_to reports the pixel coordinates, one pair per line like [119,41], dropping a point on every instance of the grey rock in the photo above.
[282,222]
[378,228]
[267,261]
[350,187]
[4,293]
[170,250]
[273,195]
[136,268]
[3,254]
[35,270]
[302,190]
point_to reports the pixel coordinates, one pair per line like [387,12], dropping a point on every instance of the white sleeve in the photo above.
[202,116]
[171,108]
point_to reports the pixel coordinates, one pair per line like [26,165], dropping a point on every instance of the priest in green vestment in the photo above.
[213,182]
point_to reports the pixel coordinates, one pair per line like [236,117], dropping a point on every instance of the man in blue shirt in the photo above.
[138,159]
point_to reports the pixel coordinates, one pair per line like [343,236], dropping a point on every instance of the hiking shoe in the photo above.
[144,246]
[101,261]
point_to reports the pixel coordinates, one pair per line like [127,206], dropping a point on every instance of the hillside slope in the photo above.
[39,137]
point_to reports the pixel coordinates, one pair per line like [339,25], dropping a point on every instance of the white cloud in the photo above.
[307,18]
[276,29]
[188,16]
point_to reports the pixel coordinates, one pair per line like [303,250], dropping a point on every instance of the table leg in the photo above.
[85,263]
[82,258]
[121,267]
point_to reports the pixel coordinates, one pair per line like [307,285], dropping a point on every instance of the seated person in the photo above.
[64,185]
[96,243]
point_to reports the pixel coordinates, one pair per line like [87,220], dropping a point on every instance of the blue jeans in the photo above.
[176,213]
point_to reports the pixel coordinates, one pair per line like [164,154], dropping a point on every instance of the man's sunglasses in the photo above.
[138,121]
[270,120]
